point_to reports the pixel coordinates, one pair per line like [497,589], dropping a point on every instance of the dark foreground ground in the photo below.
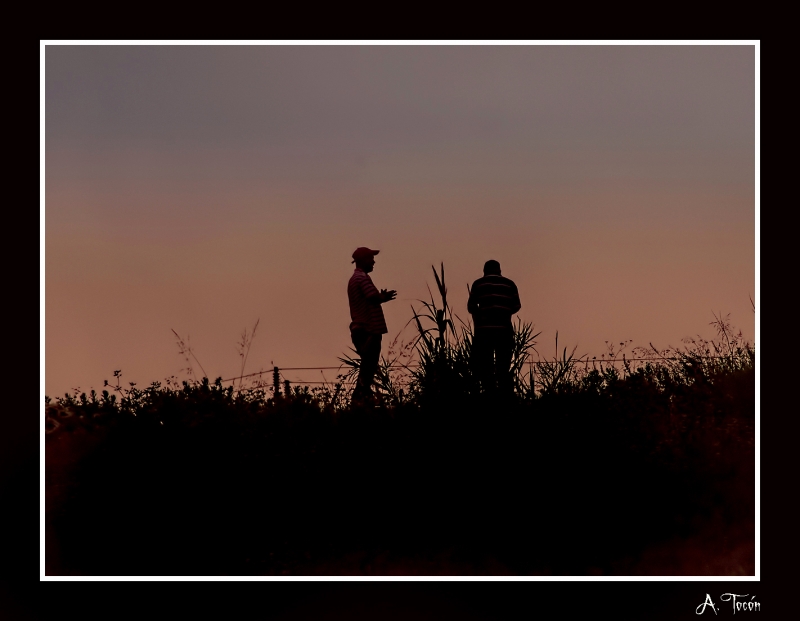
[574,485]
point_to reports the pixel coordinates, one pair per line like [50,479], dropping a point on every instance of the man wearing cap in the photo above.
[367,325]
[492,301]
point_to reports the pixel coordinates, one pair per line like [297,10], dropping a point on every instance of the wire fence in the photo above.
[276,374]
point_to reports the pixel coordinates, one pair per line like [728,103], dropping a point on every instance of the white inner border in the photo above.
[42,577]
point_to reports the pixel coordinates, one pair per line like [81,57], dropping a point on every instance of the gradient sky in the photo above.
[199,188]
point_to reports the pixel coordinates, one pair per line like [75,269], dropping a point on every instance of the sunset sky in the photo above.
[200,188]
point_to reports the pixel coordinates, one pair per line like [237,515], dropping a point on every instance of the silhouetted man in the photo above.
[368,324]
[492,301]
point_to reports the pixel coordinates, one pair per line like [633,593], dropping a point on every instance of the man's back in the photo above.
[492,300]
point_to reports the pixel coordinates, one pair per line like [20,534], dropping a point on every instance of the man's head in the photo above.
[491,267]
[364,258]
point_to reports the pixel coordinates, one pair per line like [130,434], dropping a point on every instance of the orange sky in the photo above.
[201,188]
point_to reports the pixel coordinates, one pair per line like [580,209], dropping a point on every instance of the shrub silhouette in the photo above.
[587,465]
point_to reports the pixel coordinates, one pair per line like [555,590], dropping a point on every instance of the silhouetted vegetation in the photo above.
[585,467]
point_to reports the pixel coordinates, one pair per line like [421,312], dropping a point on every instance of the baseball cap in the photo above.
[363,253]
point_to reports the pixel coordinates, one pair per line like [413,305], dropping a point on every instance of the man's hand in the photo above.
[387,296]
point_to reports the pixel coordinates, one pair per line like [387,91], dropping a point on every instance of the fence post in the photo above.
[276,381]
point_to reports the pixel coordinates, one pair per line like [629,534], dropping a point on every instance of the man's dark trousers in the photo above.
[368,346]
[491,357]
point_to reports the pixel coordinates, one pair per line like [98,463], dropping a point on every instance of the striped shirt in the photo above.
[492,301]
[365,305]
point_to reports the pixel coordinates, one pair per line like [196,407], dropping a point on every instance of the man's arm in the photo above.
[388,296]
[374,296]
[472,303]
[516,303]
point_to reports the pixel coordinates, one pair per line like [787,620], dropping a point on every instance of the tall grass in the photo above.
[591,463]
[436,363]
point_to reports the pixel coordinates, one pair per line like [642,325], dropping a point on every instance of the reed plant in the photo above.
[444,352]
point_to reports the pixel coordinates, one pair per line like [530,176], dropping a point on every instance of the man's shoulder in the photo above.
[360,280]
[502,280]
[493,279]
